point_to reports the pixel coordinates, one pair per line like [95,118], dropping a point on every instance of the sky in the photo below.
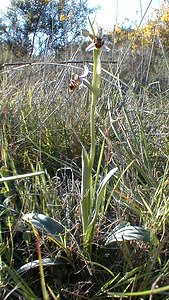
[117,11]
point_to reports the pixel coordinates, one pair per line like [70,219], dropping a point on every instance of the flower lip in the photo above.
[98,44]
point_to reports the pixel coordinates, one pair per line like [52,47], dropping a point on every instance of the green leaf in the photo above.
[23,286]
[85,187]
[4,179]
[100,192]
[101,188]
[128,233]
[46,262]
[44,224]
[140,293]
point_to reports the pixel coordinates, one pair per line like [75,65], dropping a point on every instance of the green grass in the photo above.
[43,129]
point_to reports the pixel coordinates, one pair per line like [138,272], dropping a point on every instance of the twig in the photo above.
[54,63]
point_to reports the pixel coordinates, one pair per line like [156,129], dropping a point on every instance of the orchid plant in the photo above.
[91,191]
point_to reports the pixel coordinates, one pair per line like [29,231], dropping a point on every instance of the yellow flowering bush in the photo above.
[155,31]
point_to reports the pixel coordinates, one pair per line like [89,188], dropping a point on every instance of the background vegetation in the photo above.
[44,128]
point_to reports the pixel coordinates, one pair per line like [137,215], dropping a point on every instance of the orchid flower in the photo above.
[77,81]
[97,43]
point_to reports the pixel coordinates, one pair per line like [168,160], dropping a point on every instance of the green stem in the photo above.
[88,187]
[95,90]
